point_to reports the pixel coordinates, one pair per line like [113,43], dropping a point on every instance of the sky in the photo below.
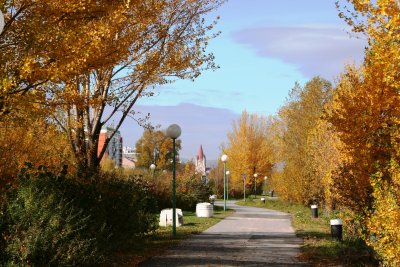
[264,48]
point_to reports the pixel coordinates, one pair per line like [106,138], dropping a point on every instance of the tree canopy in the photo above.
[93,60]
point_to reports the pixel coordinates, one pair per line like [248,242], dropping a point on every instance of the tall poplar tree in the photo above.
[365,112]
[298,119]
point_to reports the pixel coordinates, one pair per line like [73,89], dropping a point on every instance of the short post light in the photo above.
[255,184]
[227,184]
[173,131]
[1,22]
[224,158]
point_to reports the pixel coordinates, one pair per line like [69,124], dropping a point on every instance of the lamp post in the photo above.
[152,168]
[244,187]
[265,184]
[224,158]
[227,184]
[1,22]
[255,184]
[174,131]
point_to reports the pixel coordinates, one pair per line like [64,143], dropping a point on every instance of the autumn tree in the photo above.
[325,157]
[50,41]
[89,55]
[296,122]
[249,152]
[155,147]
[27,136]
[365,113]
[151,43]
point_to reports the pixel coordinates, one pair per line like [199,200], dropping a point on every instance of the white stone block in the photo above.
[166,217]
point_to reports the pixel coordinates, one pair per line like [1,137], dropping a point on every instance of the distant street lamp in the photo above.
[255,184]
[227,185]
[244,187]
[265,184]
[174,131]
[224,158]
[1,22]
[152,168]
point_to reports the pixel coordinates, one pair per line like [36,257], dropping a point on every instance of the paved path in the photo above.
[250,237]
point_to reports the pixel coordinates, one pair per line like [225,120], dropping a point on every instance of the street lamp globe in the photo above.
[174,131]
[228,172]
[152,167]
[1,22]
[224,158]
[265,178]
[255,175]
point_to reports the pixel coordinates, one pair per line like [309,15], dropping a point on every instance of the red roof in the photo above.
[200,154]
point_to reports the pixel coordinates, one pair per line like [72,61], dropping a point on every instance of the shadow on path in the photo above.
[250,237]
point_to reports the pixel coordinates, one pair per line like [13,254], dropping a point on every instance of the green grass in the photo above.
[320,248]
[155,243]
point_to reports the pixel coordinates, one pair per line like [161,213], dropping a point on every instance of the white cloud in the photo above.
[314,50]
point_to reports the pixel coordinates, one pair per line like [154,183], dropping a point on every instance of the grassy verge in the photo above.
[162,239]
[320,249]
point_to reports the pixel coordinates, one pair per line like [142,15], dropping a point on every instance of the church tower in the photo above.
[201,163]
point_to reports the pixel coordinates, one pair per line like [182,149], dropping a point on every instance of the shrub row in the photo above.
[51,219]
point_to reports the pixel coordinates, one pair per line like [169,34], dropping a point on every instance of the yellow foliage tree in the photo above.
[324,152]
[86,56]
[27,136]
[365,113]
[147,43]
[249,152]
[155,147]
[51,41]
[297,140]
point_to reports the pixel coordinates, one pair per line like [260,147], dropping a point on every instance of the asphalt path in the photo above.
[250,237]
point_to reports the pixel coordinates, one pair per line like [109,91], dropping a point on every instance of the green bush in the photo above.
[45,226]
[52,220]
[128,207]
[191,191]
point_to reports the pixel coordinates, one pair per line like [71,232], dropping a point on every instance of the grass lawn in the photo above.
[155,243]
[320,248]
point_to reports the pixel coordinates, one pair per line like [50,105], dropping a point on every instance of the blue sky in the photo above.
[264,48]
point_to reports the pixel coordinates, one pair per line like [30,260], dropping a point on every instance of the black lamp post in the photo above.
[174,131]
[255,184]
[244,187]
[227,184]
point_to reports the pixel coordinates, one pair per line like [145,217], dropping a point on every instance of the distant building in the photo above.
[114,148]
[200,164]
[128,157]
[129,153]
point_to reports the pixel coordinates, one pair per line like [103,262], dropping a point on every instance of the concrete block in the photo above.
[166,217]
